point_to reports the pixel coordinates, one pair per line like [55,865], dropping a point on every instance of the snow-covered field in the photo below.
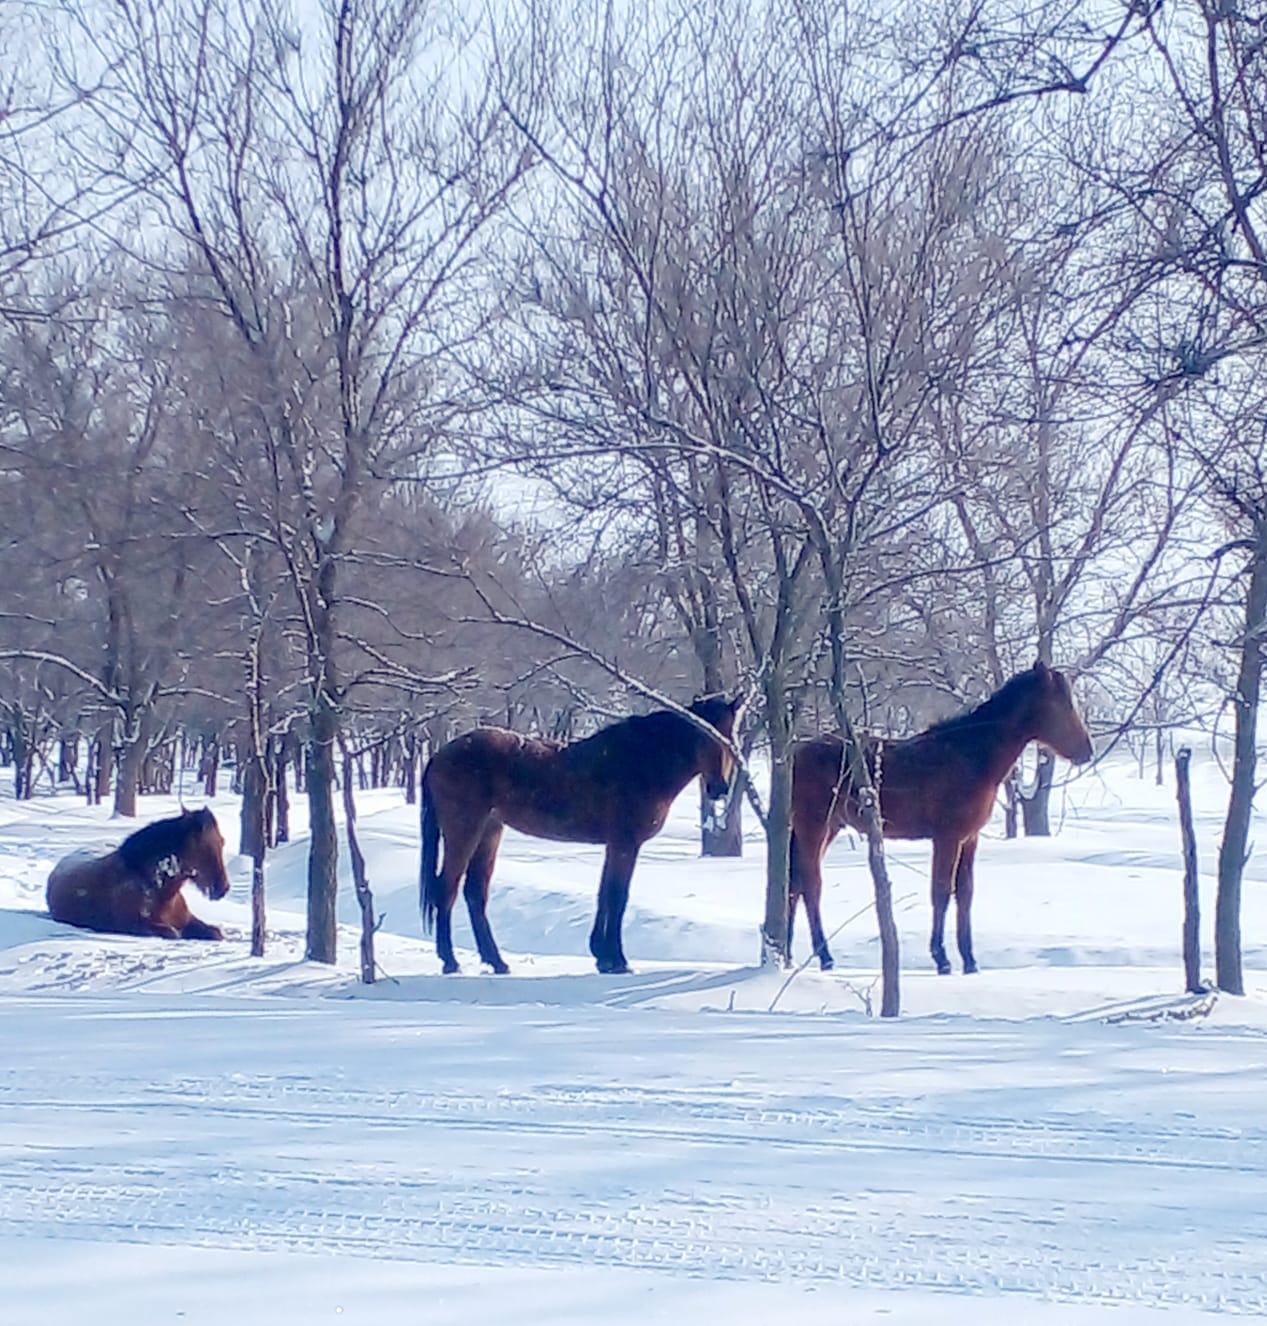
[190,1135]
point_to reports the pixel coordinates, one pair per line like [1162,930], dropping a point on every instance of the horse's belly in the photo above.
[538,822]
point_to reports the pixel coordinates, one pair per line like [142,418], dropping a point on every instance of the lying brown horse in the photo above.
[614,788]
[135,890]
[940,784]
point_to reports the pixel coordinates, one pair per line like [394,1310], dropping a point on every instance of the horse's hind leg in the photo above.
[458,850]
[964,885]
[945,857]
[806,881]
[613,894]
[478,874]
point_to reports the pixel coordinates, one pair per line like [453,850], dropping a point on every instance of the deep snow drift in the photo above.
[187,1134]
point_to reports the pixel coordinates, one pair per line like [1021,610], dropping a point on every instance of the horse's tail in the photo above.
[429,879]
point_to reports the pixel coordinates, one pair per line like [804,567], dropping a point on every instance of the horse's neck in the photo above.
[665,765]
[1009,734]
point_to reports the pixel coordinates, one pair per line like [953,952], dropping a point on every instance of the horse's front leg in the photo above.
[613,894]
[964,884]
[172,919]
[196,929]
[945,858]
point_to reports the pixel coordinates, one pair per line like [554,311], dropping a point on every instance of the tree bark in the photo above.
[360,881]
[104,772]
[1191,892]
[281,793]
[131,758]
[721,822]
[323,850]
[68,759]
[774,946]
[1011,812]
[1036,802]
[252,837]
[1233,848]
[211,768]
[859,777]
[409,768]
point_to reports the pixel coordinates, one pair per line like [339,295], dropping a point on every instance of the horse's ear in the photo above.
[1041,668]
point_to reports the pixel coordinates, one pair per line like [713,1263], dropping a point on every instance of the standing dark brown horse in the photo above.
[613,788]
[135,890]
[940,784]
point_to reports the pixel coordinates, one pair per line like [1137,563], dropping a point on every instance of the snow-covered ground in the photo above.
[190,1135]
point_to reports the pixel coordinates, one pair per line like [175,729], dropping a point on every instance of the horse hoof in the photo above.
[450,968]
[943,969]
[970,968]
[826,964]
[500,969]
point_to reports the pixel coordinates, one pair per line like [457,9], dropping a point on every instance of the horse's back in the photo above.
[539,787]
[486,757]
[72,890]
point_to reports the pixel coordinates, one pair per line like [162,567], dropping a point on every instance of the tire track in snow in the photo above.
[970,1232]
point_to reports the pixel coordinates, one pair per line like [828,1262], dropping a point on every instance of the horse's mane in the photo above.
[664,725]
[140,850]
[1003,701]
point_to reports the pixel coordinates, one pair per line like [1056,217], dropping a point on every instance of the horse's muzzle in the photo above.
[717,787]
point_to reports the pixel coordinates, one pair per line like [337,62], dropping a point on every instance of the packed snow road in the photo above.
[1054,1162]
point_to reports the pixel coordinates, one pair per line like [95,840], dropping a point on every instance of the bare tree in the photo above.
[1193,178]
[332,186]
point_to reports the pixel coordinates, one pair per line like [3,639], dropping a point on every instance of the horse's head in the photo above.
[719,763]
[201,853]
[1057,722]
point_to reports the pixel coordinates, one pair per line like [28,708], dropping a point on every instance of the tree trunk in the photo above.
[131,759]
[68,759]
[211,769]
[323,850]
[17,752]
[1011,809]
[1191,893]
[360,881]
[281,793]
[890,960]
[258,928]
[1233,848]
[721,822]
[254,842]
[409,769]
[774,946]
[252,839]
[868,799]
[104,773]
[1035,802]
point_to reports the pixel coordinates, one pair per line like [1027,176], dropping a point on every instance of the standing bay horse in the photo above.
[613,788]
[135,890]
[940,784]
